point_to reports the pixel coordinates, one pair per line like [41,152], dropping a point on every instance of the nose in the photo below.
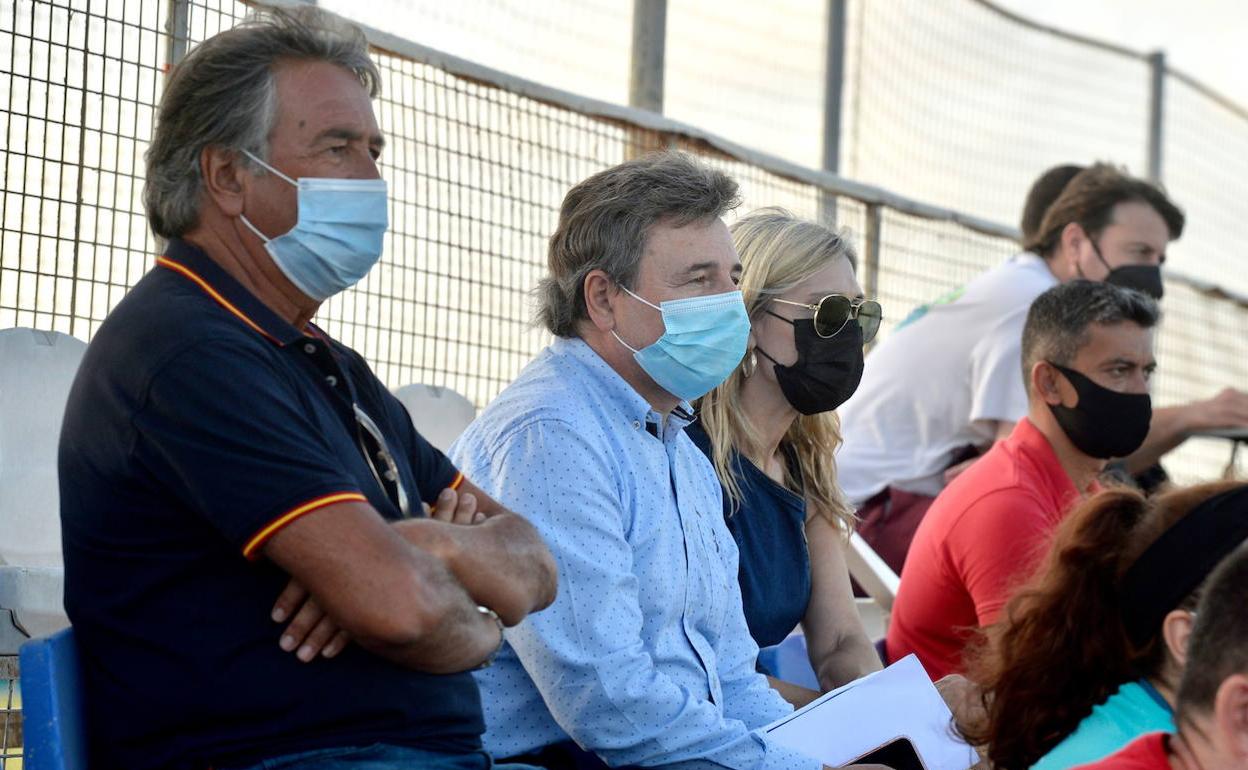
[369,168]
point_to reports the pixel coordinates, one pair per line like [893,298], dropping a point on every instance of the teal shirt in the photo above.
[1125,716]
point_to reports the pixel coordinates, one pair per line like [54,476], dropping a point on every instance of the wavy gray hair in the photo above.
[223,94]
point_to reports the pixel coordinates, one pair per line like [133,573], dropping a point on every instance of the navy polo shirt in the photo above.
[200,424]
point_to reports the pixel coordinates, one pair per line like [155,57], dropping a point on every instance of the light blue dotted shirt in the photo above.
[645,657]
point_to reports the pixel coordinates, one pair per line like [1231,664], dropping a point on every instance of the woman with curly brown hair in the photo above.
[1089,652]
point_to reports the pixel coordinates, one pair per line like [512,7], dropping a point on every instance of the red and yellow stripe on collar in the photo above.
[211,292]
[252,549]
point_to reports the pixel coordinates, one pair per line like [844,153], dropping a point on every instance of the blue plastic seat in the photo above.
[54,733]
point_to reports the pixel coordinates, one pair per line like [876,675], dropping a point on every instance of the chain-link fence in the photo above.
[478,161]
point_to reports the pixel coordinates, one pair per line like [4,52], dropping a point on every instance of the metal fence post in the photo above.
[1156,114]
[178,29]
[645,85]
[869,270]
[833,88]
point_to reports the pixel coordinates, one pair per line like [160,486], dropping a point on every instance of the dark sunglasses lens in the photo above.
[832,314]
[869,316]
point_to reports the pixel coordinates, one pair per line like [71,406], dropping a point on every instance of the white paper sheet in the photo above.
[899,701]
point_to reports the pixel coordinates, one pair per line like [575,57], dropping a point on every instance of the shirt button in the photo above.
[309,348]
[332,380]
[636,425]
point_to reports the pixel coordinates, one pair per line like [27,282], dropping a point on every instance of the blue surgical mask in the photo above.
[337,237]
[703,341]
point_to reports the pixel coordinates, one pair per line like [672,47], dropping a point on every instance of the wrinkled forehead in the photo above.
[671,252]
[314,97]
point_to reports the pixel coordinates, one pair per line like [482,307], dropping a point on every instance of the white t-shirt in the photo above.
[938,381]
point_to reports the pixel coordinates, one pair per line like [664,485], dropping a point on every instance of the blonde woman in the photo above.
[770,431]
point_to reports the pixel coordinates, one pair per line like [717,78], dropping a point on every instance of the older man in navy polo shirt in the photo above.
[248,571]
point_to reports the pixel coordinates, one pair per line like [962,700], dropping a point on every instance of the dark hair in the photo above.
[1218,647]
[605,220]
[1057,323]
[224,93]
[1061,646]
[1089,200]
[1041,195]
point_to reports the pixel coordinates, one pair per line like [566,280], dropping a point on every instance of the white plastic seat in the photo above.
[439,414]
[36,371]
[875,577]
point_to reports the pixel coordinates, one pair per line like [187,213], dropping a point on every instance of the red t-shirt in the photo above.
[982,536]
[1148,752]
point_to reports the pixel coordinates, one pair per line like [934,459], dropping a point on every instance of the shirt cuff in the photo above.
[253,547]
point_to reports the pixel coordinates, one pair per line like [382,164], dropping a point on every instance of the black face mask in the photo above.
[827,371]
[1104,423]
[1143,278]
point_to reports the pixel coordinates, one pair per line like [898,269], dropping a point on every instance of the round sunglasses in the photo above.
[834,311]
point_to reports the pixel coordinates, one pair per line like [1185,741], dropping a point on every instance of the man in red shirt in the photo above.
[1212,705]
[1087,357]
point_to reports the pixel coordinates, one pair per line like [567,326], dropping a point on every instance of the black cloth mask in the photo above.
[1104,423]
[1143,278]
[827,371]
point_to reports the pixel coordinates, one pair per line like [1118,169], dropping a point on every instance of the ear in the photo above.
[1044,383]
[224,175]
[1176,629]
[600,295]
[1072,239]
[1231,716]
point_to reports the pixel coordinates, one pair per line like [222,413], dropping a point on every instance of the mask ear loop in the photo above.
[270,168]
[1099,255]
[263,238]
[642,301]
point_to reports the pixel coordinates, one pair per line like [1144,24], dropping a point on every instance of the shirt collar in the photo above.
[634,408]
[192,263]
[1030,442]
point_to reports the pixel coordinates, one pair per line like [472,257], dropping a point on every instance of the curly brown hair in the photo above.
[1060,647]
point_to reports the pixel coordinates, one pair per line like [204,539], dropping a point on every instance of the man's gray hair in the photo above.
[224,94]
[605,220]
[1058,321]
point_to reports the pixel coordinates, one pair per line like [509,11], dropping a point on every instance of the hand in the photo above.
[962,696]
[964,699]
[455,508]
[1228,409]
[311,632]
[954,471]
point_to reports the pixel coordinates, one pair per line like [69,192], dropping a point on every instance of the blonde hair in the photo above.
[778,251]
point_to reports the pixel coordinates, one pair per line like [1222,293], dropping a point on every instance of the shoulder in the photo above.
[988,496]
[160,320]
[542,403]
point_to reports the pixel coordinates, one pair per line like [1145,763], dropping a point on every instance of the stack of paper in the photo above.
[854,720]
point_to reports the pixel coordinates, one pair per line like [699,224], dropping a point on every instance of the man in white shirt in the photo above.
[945,385]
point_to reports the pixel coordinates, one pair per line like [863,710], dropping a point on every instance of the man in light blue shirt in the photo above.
[645,657]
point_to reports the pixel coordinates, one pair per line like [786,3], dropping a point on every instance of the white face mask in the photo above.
[338,235]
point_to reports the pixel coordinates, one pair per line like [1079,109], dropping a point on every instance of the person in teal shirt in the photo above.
[1135,709]
[1088,653]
